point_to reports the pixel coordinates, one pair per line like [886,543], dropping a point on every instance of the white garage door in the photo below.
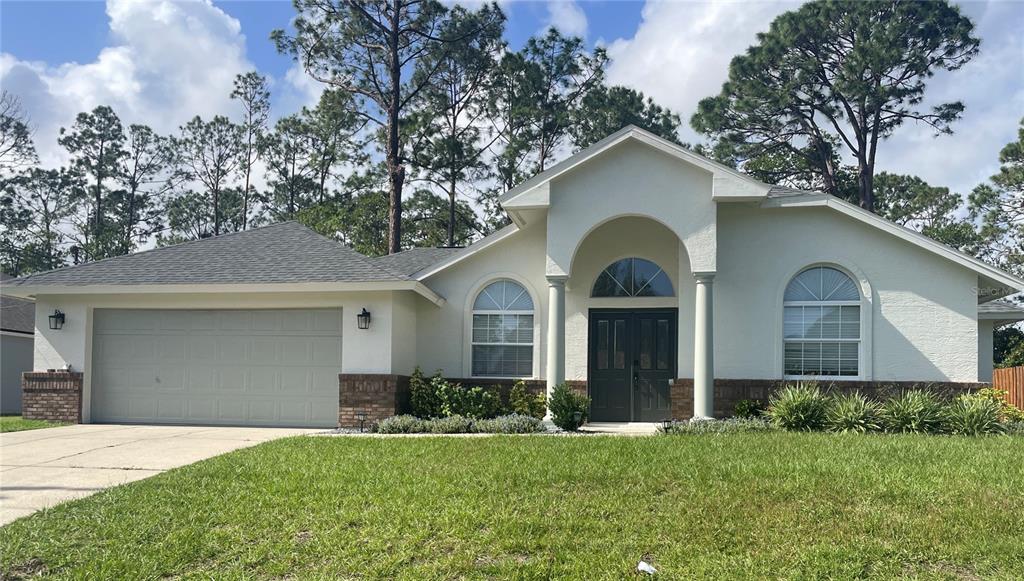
[258,367]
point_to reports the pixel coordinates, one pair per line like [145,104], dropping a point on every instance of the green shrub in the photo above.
[439,398]
[973,415]
[853,413]
[914,411]
[423,396]
[799,407]
[522,403]
[749,408]
[1014,428]
[510,424]
[449,425]
[727,426]
[473,402]
[569,410]
[1007,411]
[405,424]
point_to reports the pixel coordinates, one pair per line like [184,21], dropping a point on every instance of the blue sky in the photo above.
[160,62]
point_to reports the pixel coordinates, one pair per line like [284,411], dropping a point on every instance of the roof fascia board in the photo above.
[468,251]
[996,275]
[27,291]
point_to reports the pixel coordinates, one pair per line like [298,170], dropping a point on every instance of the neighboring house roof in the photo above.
[16,315]
[286,252]
[409,262]
[1000,312]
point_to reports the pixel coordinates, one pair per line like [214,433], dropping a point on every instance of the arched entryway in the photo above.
[623,318]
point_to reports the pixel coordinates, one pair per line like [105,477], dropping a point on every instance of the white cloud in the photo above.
[680,54]
[169,60]
[567,17]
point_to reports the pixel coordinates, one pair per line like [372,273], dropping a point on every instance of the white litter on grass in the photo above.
[645,567]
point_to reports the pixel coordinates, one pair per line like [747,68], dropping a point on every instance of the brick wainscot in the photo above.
[52,395]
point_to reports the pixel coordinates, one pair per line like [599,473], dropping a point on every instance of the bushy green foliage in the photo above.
[749,408]
[404,424]
[438,398]
[853,413]
[913,411]
[423,398]
[1007,411]
[799,407]
[472,402]
[569,410]
[1014,428]
[973,415]
[709,426]
[509,424]
[521,402]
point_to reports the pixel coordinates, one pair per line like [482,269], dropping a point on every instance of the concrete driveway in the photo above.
[41,468]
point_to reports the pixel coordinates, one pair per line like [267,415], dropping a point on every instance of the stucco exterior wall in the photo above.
[363,351]
[443,333]
[923,324]
[985,350]
[632,180]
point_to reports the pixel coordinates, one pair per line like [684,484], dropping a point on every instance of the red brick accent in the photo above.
[378,395]
[729,392]
[52,395]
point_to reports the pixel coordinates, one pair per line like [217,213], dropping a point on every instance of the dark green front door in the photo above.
[632,361]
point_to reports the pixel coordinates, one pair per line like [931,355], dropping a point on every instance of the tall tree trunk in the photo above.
[396,172]
[216,211]
[451,211]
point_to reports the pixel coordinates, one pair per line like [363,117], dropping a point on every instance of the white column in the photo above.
[556,332]
[704,348]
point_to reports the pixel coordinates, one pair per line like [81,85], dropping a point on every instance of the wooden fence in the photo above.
[1012,380]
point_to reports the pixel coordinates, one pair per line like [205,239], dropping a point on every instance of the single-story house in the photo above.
[663,284]
[17,334]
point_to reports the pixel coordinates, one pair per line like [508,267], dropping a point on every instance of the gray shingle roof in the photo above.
[18,315]
[286,252]
[409,262]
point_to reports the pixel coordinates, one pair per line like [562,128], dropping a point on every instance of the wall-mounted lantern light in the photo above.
[363,319]
[57,320]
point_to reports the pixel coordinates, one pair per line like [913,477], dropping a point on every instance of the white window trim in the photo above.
[468,312]
[864,352]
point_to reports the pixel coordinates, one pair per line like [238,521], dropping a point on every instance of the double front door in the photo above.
[633,359]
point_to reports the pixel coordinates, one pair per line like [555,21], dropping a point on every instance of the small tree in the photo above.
[1000,206]
[209,154]
[251,91]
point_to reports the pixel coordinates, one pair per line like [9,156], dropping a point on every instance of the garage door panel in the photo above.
[259,367]
[233,350]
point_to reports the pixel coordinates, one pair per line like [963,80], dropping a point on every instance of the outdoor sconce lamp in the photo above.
[363,319]
[666,425]
[57,320]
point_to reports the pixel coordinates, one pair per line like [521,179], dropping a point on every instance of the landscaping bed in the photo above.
[736,505]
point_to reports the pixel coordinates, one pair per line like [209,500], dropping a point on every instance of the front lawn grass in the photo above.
[537,507]
[20,424]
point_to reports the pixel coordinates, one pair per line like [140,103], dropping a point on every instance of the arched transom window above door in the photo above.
[632,277]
